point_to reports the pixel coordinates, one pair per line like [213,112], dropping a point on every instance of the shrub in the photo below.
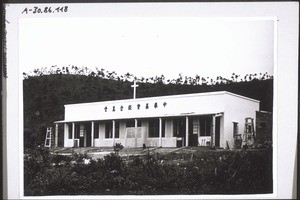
[209,172]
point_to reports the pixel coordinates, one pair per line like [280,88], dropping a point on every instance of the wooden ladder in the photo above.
[249,130]
[48,140]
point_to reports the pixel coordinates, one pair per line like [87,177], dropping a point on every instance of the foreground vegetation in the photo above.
[203,172]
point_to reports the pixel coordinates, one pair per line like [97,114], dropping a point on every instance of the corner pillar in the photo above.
[73,133]
[113,131]
[135,132]
[186,131]
[56,135]
[92,134]
[66,134]
[213,133]
[160,132]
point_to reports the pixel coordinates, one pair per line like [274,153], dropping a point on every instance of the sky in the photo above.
[149,46]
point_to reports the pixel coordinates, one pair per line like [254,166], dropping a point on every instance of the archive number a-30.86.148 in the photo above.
[46,9]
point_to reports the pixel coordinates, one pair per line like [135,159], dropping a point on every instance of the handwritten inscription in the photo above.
[46,9]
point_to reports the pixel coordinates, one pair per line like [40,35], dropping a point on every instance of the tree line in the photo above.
[112,75]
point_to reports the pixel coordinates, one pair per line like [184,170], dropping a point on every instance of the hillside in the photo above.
[46,95]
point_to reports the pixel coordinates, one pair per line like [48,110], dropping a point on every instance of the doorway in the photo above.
[83,134]
[179,125]
[217,132]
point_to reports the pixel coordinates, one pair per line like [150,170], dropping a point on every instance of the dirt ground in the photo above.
[100,152]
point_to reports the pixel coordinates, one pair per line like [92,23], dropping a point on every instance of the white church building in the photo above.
[199,119]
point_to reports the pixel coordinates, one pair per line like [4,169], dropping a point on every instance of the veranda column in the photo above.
[66,136]
[160,132]
[73,133]
[92,135]
[113,131]
[135,132]
[186,131]
[213,130]
[56,135]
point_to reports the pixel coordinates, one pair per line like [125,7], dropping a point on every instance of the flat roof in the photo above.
[164,97]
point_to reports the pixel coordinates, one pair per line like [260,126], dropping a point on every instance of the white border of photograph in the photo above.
[286,16]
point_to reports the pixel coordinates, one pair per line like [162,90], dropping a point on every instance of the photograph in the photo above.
[147,106]
[127,100]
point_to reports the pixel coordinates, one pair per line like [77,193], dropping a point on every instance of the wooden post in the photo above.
[125,142]
[135,132]
[56,135]
[160,132]
[84,136]
[113,131]
[73,133]
[213,130]
[186,131]
[92,135]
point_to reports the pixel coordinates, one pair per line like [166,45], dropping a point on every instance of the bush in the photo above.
[209,172]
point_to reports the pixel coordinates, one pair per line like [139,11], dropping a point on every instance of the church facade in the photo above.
[200,119]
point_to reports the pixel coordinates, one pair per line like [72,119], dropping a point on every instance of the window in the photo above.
[77,130]
[108,130]
[235,128]
[131,123]
[153,128]
[205,126]
[117,129]
[81,130]
[70,128]
[96,130]
[163,125]
[178,127]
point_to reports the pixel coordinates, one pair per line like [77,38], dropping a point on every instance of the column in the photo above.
[125,142]
[113,131]
[84,137]
[160,132]
[66,135]
[135,132]
[56,135]
[186,131]
[92,134]
[73,133]
[213,124]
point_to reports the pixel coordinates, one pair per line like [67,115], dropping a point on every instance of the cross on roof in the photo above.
[134,89]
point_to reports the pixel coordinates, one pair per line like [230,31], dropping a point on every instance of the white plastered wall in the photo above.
[236,110]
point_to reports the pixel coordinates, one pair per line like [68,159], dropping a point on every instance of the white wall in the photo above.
[179,105]
[236,110]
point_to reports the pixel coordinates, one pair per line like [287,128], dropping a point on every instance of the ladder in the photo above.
[48,140]
[249,131]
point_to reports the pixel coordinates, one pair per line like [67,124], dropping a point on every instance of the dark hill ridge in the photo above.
[45,96]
